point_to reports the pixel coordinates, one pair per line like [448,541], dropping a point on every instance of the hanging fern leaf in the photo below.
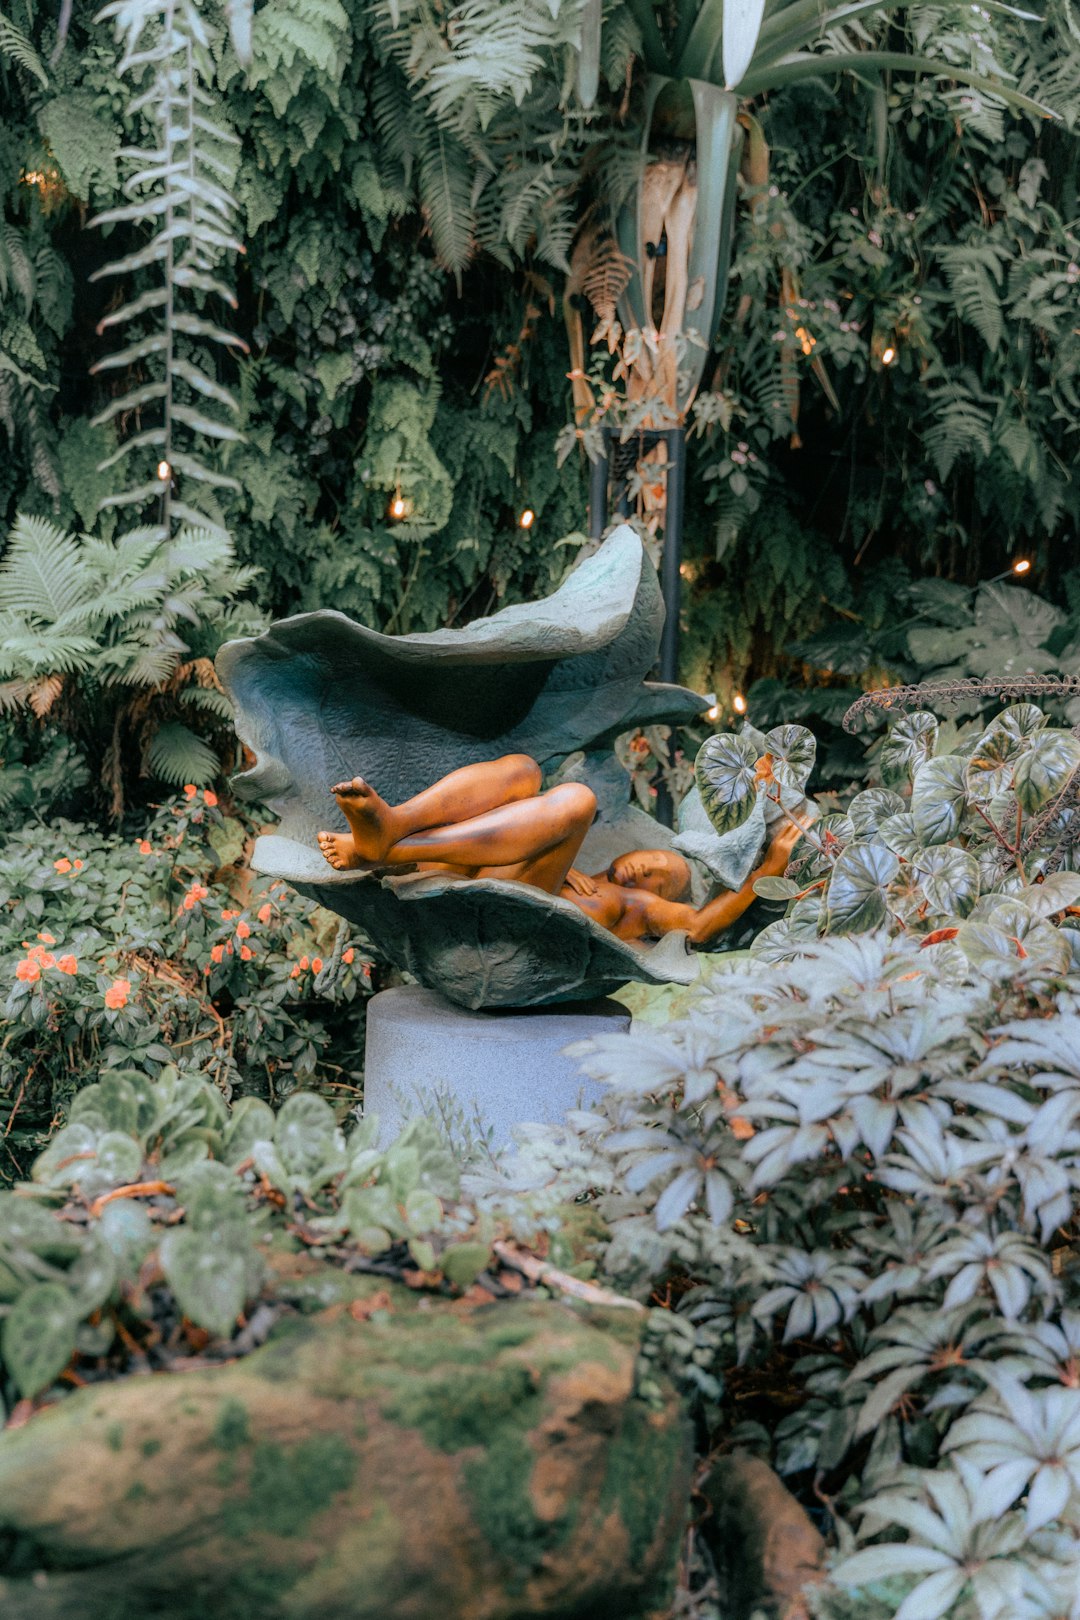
[445,175]
[974,274]
[18,49]
[178,756]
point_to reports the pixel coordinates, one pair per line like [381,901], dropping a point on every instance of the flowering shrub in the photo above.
[163,947]
[853,1178]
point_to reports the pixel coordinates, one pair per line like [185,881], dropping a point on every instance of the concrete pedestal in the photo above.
[502,1068]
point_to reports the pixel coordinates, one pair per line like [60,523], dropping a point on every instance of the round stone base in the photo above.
[493,1070]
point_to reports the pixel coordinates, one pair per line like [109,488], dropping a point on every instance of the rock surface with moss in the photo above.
[489,1463]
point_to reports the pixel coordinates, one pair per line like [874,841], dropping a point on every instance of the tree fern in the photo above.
[43,576]
[179,187]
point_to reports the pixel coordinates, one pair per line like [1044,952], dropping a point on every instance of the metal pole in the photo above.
[598,493]
[670,577]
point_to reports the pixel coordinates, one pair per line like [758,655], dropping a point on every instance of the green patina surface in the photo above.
[232,1427]
[629,1487]
[289,1485]
[498,1487]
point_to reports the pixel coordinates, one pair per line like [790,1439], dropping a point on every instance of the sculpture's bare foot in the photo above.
[340,851]
[370,819]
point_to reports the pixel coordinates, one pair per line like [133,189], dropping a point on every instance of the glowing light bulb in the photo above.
[713,713]
[164,471]
[738,703]
[527,518]
[398,508]
[888,355]
[1023,566]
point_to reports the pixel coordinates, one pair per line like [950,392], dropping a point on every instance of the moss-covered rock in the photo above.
[468,1463]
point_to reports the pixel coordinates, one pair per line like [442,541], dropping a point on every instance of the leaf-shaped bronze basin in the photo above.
[320,698]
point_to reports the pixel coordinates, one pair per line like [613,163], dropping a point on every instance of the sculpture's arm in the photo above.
[704,924]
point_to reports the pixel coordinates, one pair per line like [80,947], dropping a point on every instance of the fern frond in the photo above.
[43,574]
[177,755]
[18,49]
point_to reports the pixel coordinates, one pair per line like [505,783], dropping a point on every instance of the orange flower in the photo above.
[46,960]
[348,955]
[226,915]
[210,799]
[304,964]
[78,865]
[117,994]
[63,865]
[190,790]
[316,964]
[246,953]
[67,964]
[265,912]
[46,939]
[145,847]
[217,952]
[28,971]
[243,929]
[295,974]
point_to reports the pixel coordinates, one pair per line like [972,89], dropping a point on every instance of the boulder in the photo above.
[381,1461]
[763,1541]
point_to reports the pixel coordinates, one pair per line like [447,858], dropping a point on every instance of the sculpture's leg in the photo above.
[533,841]
[376,826]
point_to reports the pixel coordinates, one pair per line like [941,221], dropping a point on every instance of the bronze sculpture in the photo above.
[494,821]
[319,698]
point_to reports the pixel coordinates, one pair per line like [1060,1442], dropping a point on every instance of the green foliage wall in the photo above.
[898,215]
[365,380]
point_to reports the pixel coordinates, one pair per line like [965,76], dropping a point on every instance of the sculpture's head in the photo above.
[661,871]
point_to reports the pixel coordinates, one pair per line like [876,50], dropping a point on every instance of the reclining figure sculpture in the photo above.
[493,821]
[448,853]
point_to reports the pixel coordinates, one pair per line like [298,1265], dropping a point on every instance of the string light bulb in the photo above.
[713,713]
[888,355]
[164,472]
[738,703]
[527,518]
[398,507]
[1023,566]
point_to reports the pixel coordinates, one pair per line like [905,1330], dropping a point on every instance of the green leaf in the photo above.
[119,1157]
[938,799]
[870,808]
[989,771]
[855,900]
[251,1121]
[776,888]
[910,741]
[726,775]
[15,45]
[207,1270]
[177,755]
[898,834]
[949,879]
[1053,894]
[793,750]
[308,1138]
[39,1337]
[423,1211]
[462,1263]
[741,27]
[1045,768]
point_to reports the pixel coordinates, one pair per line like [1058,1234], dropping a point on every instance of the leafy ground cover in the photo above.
[851,1180]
